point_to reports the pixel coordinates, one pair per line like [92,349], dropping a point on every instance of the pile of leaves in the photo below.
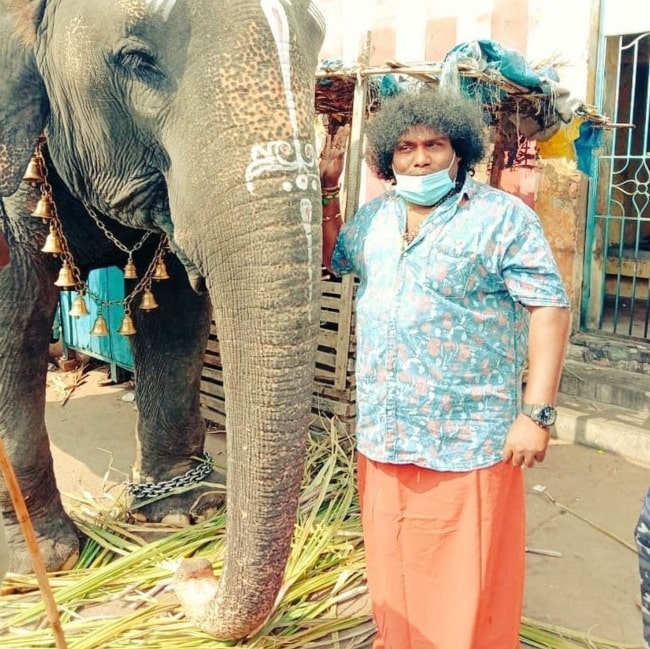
[120,593]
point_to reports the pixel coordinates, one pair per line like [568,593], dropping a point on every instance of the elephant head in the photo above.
[195,118]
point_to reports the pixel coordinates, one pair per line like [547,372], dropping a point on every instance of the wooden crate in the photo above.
[334,394]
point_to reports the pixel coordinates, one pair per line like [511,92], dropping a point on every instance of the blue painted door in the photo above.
[108,285]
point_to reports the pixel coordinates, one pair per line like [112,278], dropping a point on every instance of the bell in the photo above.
[44,208]
[130,271]
[99,328]
[78,307]
[52,243]
[34,173]
[160,271]
[65,278]
[127,328]
[148,301]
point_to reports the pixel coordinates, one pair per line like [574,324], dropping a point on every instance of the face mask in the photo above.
[425,190]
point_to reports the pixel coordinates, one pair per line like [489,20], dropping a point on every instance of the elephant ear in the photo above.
[23,100]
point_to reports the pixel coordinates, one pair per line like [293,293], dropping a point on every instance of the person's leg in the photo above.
[643,544]
[444,555]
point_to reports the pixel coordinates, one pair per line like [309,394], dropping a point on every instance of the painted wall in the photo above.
[558,31]
[625,17]
[419,30]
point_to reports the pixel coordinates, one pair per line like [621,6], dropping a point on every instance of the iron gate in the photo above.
[616,296]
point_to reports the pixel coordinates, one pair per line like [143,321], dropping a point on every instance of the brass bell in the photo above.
[127,328]
[34,173]
[78,307]
[130,271]
[160,271]
[44,208]
[148,301]
[52,243]
[100,328]
[65,278]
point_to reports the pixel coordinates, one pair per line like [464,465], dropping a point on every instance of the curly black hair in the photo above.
[456,116]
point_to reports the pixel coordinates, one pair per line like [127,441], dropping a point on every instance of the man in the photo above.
[458,288]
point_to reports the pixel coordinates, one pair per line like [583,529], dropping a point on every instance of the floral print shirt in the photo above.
[441,327]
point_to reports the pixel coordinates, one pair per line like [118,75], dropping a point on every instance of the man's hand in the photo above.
[526,442]
[332,157]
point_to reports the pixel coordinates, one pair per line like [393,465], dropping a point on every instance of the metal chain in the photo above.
[196,474]
[145,281]
[109,235]
[80,285]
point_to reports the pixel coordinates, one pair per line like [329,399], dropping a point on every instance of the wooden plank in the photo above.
[327,338]
[629,267]
[624,288]
[213,389]
[213,416]
[343,338]
[331,302]
[212,374]
[329,287]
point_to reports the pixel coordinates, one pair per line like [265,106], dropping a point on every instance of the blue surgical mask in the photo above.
[425,190]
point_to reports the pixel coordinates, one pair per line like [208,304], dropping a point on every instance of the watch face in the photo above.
[546,415]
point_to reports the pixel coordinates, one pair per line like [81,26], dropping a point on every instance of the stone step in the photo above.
[604,351]
[606,385]
[623,431]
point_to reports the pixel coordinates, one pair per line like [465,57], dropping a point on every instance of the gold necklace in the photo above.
[408,236]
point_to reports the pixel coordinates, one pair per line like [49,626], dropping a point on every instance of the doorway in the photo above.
[616,296]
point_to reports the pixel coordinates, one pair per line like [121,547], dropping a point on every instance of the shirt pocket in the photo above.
[449,273]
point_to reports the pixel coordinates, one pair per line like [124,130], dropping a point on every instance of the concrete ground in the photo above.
[582,574]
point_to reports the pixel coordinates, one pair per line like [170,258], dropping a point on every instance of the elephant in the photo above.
[182,126]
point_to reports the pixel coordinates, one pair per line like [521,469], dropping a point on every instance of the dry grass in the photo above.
[120,594]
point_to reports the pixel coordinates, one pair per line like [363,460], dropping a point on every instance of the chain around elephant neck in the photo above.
[111,237]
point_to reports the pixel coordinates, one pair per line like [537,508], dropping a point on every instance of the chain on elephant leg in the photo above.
[194,496]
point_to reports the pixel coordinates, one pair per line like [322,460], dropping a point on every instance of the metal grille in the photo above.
[617,259]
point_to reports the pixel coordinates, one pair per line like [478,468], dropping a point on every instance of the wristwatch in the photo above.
[543,414]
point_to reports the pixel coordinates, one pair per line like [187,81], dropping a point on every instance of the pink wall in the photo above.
[538,29]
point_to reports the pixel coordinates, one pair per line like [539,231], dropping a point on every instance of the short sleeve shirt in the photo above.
[441,327]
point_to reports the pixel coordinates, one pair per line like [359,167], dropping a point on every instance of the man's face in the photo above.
[422,150]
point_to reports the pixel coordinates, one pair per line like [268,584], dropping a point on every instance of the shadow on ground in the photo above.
[591,587]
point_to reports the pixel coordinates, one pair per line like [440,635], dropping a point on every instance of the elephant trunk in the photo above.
[245,204]
[264,288]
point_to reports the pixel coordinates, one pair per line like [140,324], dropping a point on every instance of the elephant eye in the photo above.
[141,63]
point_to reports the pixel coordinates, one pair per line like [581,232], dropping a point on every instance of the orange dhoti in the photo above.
[445,555]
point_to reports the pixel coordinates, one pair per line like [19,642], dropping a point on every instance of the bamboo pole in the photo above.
[27,529]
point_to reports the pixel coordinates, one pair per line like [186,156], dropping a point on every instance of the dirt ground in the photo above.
[580,573]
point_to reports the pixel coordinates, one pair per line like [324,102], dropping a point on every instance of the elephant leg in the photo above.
[169,349]
[26,312]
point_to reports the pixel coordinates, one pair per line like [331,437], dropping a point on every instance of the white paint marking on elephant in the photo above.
[285,157]
[280,155]
[307,213]
[163,6]
[316,15]
[277,19]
